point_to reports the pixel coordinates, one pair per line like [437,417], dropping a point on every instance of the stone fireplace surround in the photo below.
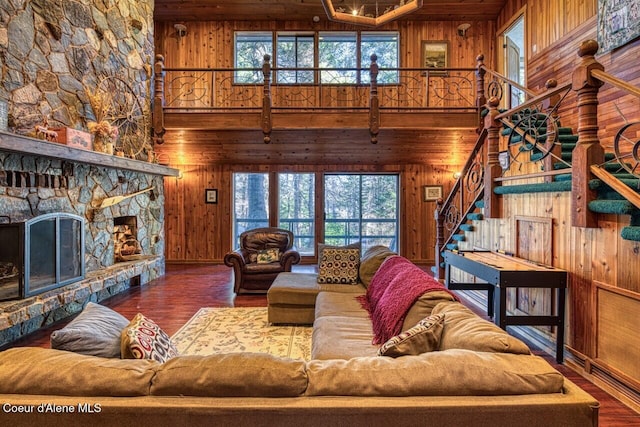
[37,177]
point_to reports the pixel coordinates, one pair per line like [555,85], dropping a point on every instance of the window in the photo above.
[343,56]
[250,202]
[361,208]
[295,205]
[338,50]
[296,208]
[295,51]
[250,50]
[385,46]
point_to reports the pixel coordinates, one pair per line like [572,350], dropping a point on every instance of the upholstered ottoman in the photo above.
[292,297]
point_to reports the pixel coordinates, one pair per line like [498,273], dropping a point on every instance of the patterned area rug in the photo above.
[242,329]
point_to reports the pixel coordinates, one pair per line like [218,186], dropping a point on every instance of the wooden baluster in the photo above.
[481,98]
[548,106]
[374,104]
[266,100]
[588,151]
[492,168]
[438,259]
[158,101]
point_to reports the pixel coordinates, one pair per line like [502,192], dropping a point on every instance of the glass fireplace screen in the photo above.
[41,254]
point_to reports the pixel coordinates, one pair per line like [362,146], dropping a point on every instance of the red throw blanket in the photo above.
[394,288]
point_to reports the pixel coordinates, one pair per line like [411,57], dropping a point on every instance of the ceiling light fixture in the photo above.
[362,16]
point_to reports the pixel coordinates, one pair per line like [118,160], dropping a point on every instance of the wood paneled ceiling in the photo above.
[305,10]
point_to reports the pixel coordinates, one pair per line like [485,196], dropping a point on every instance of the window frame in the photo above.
[359,69]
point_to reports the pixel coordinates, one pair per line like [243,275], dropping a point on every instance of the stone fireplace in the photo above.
[123,243]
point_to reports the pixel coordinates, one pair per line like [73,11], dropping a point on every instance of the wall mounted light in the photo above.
[462,30]
[457,175]
[181,30]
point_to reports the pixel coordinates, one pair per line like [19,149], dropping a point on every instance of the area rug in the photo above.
[241,329]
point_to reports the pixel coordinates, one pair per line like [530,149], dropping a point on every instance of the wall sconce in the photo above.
[181,30]
[457,175]
[462,30]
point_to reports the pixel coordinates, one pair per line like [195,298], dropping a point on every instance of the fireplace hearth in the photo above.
[40,254]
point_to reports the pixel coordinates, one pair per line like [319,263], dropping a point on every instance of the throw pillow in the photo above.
[95,332]
[267,256]
[322,247]
[144,339]
[422,338]
[339,266]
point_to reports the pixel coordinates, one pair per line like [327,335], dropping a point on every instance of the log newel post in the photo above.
[492,166]
[588,151]
[374,104]
[481,99]
[555,150]
[266,100]
[158,100]
[438,259]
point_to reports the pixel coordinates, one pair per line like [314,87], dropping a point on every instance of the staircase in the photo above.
[608,200]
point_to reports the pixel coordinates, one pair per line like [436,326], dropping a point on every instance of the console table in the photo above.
[502,272]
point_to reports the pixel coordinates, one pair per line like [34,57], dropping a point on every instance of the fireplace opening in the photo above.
[41,254]
[126,245]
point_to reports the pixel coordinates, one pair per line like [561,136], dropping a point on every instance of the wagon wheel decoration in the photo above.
[451,217]
[627,147]
[123,109]
[532,136]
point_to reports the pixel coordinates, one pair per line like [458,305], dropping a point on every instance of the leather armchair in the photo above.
[249,275]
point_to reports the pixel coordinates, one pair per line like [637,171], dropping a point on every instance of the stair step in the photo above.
[601,186]
[544,187]
[434,270]
[618,207]
[452,247]
[563,177]
[480,204]
[476,216]
[538,156]
[459,237]
[467,227]
[631,233]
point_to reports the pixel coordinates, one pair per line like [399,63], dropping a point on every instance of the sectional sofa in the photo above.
[472,374]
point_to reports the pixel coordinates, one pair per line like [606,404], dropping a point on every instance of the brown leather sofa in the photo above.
[251,276]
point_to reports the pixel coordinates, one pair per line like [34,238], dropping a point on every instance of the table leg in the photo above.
[560,328]
[500,307]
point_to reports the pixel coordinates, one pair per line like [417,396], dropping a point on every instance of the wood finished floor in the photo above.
[174,298]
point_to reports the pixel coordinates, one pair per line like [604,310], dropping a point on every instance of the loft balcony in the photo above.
[320,98]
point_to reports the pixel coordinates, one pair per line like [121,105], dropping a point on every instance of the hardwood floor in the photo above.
[174,298]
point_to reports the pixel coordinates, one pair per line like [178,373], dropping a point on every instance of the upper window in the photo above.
[343,56]
[339,55]
[251,46]
[295,51]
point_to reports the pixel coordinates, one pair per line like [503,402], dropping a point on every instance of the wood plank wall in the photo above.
[199,232]
[597,259]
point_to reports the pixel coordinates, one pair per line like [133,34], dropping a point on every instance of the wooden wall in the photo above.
[200,232]
[210,43]
[604,269]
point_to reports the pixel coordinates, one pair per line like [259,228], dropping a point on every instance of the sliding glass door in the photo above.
[361,207]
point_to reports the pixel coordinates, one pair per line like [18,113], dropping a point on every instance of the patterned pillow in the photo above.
[268,255]
[143,339]
[339,266]
[422,338]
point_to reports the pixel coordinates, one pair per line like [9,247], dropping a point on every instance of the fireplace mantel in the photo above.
[36,147]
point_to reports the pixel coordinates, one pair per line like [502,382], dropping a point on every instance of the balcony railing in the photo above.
[265,90]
